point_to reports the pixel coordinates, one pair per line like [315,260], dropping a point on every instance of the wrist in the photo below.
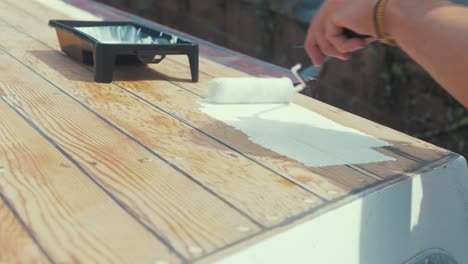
[382,21]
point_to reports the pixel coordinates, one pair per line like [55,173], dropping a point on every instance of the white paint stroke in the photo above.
[299,133]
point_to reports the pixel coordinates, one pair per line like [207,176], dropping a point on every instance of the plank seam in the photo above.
[403,154]
[361,192]
[365,172]
[356,193]
[138,142]
[25,227]
[103,188]
[298,184]
[356,168]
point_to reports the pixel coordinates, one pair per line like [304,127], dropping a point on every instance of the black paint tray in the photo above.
[105,43]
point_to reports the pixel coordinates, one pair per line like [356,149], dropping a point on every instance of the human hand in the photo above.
[325,35]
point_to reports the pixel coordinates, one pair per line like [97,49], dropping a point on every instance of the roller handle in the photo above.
[351,34]
[313,72]
[347,32]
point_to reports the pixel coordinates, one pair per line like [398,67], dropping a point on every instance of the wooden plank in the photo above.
[328,183]
[16,246]
[84,224]
[150,187]
[206,160]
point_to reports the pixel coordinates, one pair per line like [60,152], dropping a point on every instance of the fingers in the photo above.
[311,45]
[314,52]
[328,48]
[331,42]
[325,38]
[340,42]
[318,47]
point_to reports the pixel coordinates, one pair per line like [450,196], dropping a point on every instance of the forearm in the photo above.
[435,34]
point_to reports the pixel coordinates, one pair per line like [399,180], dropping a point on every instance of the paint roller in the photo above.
[251,90]
[264,90]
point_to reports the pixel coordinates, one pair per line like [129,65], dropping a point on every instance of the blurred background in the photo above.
[379,83]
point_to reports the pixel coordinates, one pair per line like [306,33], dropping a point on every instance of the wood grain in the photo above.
[173,100]
[84,224]
[146,184]
[326,182]
[16,246]
[210,69]
[245,184]
[336,180]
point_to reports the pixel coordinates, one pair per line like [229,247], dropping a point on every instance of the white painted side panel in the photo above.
[386,227]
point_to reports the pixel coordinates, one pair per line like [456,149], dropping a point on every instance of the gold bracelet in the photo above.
[379,23]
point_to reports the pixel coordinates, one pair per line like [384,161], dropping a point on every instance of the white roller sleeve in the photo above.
[251,90]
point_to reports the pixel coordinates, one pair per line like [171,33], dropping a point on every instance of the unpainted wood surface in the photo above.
[138,156]
[229,173]
[73,226]
[16,246]
[138,178]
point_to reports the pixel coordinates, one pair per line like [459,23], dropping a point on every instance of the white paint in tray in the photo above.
[299,133]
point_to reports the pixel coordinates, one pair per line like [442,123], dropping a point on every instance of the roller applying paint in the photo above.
[251,90]
[264,90]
